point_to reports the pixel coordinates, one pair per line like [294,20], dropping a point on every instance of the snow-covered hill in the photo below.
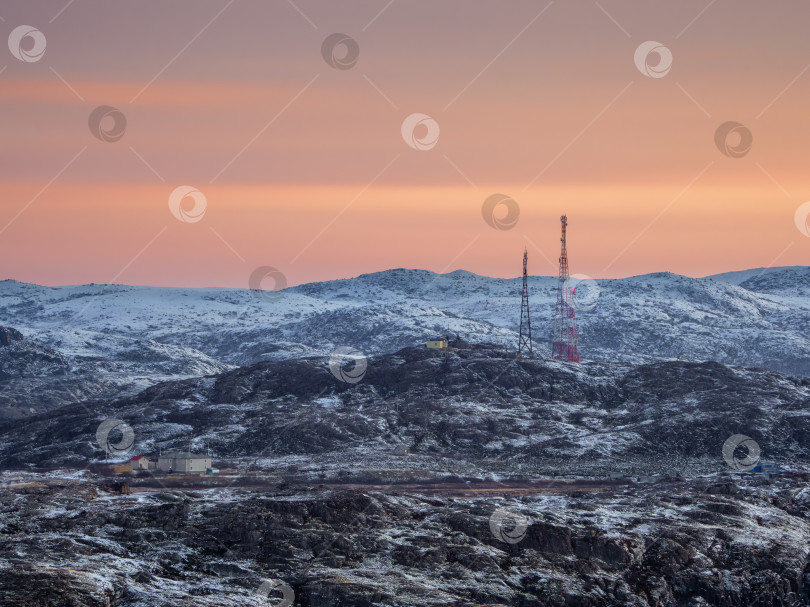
[130,336]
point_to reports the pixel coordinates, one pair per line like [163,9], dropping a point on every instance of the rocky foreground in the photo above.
[710,541]
[421,478]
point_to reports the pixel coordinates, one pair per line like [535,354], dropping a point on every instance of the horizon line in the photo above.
[763,269]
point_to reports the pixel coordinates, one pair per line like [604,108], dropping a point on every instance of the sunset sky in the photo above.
[304,167]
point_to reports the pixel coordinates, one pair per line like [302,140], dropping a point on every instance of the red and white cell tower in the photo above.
[564,342]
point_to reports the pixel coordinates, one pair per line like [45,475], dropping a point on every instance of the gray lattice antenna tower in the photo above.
[525,341]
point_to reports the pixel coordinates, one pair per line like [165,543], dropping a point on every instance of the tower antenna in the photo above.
[525,340]
[564,341]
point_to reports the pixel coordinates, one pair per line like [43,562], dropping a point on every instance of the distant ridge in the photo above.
[114,338]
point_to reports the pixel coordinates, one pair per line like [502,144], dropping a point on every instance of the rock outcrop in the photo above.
[670,545]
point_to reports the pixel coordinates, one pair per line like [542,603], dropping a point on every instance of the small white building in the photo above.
[190,463]
[141,462]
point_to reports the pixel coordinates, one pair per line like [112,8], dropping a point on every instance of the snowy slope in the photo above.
[750,318]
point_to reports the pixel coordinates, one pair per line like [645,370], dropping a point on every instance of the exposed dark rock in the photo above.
[8,335]
[474,403]
[359,548]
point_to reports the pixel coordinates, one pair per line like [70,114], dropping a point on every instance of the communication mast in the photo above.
[525,341]
[564,342]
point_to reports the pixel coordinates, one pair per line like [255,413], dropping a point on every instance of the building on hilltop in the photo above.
[438,344]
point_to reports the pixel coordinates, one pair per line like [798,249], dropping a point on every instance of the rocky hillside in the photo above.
[39,376]
[697,544]
[116,339]
[476,404]
[418,479]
